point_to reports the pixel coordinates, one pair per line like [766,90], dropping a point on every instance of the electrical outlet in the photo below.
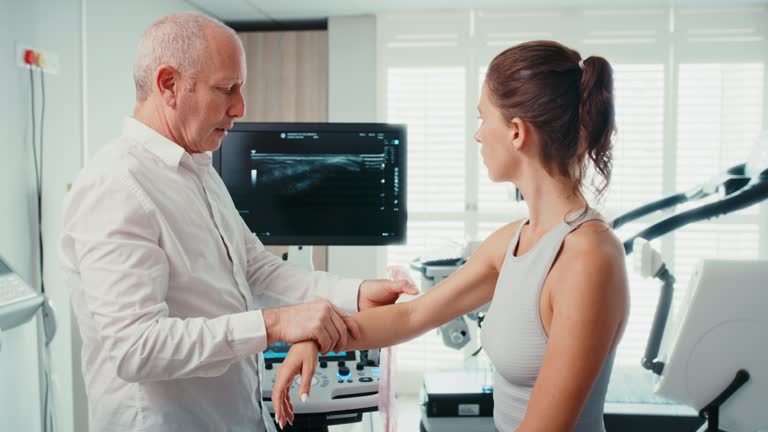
[50,61]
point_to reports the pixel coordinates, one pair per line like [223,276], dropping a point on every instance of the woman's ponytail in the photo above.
[596,117]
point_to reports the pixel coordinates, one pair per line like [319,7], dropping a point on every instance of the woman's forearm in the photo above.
[385,326]
[462,292]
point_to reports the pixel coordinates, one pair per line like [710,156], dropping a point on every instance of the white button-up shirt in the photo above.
[167,282]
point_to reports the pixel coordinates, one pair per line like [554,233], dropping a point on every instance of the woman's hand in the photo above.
[301,359]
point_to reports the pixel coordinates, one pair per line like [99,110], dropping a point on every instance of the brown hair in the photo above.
[569,102]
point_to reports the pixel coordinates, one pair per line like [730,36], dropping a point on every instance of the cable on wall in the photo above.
[38,166]
[48,412]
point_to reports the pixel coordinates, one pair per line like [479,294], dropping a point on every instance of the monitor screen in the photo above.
[277,352]
[317,183]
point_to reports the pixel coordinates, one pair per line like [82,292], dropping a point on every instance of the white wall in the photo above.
[112,31]
[352,72]
[20,409]
[53,26]
[98,38]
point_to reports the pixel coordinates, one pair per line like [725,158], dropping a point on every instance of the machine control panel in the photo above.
[336,387]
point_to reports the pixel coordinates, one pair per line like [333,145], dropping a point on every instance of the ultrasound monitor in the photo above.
[277,352]
[318,183]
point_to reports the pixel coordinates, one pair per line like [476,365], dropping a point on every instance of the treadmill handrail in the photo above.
[651,207]
[750,195]
[733,180]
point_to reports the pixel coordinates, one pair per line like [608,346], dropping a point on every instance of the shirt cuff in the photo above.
[345,295]
[247,333]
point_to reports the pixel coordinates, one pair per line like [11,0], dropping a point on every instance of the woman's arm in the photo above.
[589,302]
[462,292]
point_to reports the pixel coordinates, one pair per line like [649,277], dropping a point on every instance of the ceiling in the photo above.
[296,10]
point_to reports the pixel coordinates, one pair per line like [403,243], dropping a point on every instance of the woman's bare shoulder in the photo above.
[594,239]
[593,255]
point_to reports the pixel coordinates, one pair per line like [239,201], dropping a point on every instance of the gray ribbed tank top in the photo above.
[514,339]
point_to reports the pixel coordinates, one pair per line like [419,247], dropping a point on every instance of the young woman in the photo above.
[556,280]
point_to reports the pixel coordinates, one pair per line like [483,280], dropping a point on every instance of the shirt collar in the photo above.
[203,160]
[167,150]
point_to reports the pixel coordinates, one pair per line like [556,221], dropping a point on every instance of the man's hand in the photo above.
[301,359]
[382,292]
[319,320]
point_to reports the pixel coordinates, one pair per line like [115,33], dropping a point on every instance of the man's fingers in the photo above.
[406,287]
[324,340]
[352,326]
[339,325]
[332,330]
[398,272]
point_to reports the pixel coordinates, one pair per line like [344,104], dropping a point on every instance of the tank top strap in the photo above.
[573,221]
[516,238]
[580,217]
[553,240]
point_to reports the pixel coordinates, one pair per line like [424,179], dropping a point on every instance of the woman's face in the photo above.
[495,136]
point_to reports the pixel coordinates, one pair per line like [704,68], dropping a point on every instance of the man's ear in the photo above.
[167,84]
[518,133]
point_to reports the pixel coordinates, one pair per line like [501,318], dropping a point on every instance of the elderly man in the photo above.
[174,296]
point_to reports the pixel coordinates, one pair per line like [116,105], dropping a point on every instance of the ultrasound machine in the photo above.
[305,184]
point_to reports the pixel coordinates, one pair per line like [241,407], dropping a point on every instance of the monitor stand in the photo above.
[301,256]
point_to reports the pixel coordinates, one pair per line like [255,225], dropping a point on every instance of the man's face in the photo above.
[209,103]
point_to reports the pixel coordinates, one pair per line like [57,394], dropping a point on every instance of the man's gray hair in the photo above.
[178,40]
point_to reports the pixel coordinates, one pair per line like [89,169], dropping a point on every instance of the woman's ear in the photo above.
[518,133]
